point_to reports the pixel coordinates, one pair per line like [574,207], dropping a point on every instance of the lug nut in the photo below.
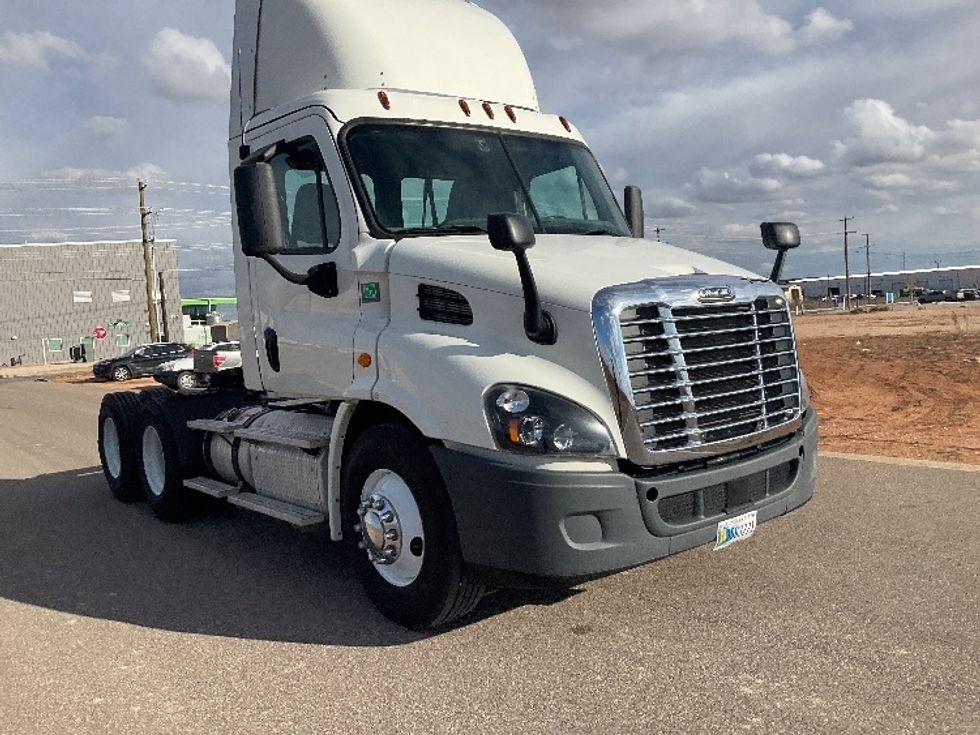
[391,535]
[390,552]
[362,545]
[388,517]
[362,511]
[377,503]
[358,528]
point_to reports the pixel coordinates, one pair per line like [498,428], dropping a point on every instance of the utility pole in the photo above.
[658,231]
[847,265]
[867,256]
[151,311]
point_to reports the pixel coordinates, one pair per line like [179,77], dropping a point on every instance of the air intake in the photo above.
[444,305]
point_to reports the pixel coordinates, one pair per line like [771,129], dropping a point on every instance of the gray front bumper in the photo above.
[536,525]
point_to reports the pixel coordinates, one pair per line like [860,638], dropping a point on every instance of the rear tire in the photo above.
[159,451]
[186,380]
[121,373]
[119,421]
[424,583]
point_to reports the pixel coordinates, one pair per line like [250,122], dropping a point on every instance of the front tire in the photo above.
[121,373]
[395,505]
[119,420]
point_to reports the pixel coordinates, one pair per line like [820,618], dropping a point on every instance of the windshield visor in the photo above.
[421,180]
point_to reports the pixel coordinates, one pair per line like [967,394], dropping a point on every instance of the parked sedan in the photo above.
[142,360]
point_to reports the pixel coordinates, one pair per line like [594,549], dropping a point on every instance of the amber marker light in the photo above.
[510,113]
[364,360]
[383,99]
[488,109]
[565,124]
[465,107]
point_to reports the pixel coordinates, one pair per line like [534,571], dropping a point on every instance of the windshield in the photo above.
[425,180]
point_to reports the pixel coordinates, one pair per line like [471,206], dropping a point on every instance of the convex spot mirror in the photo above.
[259,210]
[780,235]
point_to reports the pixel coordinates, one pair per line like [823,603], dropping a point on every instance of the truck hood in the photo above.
[569,269]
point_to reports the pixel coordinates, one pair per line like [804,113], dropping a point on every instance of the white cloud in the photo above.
[680,26]
[144,171]
[821,27]
[723,188]
[106,127]
[882,136]
[898,180]
[187,68]
[741,232]
[34,50]
[783,164]
[670,208]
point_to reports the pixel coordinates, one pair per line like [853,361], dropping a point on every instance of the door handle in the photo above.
[272,349]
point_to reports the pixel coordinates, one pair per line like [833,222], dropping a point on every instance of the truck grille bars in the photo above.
[695,380]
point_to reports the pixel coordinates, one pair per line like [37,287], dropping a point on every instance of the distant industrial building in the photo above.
[900,283]
[59,301]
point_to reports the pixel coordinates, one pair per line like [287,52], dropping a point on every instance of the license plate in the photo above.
[735,529]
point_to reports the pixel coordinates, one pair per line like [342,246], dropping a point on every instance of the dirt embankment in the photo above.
[904,383]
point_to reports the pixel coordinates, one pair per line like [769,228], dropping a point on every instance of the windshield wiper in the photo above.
[601,232]
[443,230]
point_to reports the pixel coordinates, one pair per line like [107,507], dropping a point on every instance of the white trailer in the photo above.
[460,409]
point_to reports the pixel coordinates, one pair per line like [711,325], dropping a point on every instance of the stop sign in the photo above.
[100,333]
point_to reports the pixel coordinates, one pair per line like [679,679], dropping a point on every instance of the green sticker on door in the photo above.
[370,292]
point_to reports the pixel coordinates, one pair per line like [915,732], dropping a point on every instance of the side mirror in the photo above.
[780,235]
[513,233]
[633,203]
[259,210]
[510,232]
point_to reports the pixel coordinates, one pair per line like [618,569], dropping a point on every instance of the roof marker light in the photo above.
[465,107]
[383,99]
[510,113]
[565,124]
[488,109]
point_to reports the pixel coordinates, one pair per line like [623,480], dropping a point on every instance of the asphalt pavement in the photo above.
[858,613]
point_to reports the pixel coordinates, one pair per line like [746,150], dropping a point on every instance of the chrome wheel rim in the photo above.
[120,373]
[154,463]
[111,448]
[390,528]
[185,381]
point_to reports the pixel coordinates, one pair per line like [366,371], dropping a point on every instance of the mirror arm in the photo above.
[538,323]
[777,267]
[299,280]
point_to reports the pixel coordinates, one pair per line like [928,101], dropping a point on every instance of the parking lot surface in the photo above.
[859,613]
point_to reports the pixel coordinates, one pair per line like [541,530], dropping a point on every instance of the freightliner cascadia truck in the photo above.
[461,358]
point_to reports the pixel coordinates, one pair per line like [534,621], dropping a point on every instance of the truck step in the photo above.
[295,514]
[214,488]
[270,436]
[214,426]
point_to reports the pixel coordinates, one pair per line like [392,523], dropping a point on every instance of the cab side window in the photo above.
[311,218]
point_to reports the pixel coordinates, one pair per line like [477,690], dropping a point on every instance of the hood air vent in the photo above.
[443,305]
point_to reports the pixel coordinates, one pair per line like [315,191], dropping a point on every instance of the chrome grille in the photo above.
[703,375]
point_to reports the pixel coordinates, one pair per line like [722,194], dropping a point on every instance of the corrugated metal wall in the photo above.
[64,291]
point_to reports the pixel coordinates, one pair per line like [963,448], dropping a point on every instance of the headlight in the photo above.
[531,421]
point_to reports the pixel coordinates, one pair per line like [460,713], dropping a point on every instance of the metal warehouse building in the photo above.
[951,278]
[56,298]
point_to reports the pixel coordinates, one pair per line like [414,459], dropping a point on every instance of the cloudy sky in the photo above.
[726,112]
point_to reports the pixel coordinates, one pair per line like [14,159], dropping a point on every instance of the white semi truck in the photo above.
[461,410]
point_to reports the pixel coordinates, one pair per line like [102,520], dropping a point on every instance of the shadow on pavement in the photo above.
[67,545]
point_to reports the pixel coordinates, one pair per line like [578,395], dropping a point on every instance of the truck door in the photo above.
[305,342]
